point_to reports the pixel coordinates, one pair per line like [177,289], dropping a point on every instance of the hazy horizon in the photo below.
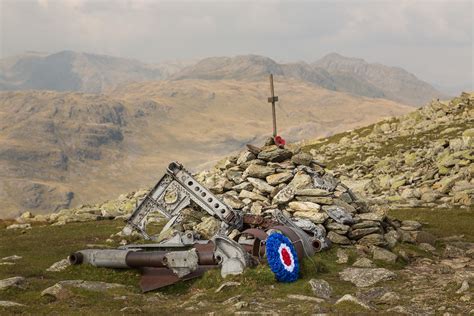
[432,39]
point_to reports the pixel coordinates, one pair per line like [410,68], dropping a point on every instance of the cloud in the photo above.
[397,32]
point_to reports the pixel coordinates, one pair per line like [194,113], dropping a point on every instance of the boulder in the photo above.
[338,239]
[261,185]
[257,171]
[320,288]
[57,292]
[208,227]
[59,266]
[384,255]
[317,218]
[277,178]
[17,281]
[284,195]
[351,299]
[274,154]
[363,263]
[365,277]
[302,159]
[304,207]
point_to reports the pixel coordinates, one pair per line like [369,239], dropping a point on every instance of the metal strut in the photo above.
[173,192]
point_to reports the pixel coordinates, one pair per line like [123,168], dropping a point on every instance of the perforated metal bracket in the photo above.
[173,192]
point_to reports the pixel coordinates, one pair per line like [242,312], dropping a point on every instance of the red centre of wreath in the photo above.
[286,257]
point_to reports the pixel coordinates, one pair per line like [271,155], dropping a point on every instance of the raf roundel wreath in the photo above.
[282,258]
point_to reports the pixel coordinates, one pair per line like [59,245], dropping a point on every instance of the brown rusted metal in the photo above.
[155,278]
[294,238]
[259,221]
[256,248]
[137,259]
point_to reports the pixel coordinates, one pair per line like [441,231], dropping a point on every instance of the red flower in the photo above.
[279,141]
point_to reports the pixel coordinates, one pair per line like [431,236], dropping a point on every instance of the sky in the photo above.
[432,39]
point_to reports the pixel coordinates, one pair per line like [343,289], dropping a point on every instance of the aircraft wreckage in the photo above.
[243,240]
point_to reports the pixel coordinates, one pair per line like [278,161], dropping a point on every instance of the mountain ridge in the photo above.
[93,73]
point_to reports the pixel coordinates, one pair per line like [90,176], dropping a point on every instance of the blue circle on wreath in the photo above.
[282,258]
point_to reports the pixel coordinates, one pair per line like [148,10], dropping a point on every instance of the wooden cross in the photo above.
[272,100]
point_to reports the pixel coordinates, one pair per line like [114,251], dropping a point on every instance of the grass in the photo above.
[441,222]
[43,245]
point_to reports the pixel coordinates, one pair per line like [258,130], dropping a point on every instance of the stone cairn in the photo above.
[259,180]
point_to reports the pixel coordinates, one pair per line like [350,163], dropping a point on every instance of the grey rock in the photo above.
[302,159]
[464,287]
[359,233]
[251,195]
[57,291]
[363,263]
[372,217]
[59,266]
[313,192]
[384,255]
[453,252]
[226,284]
[317,218]
[300,181]
[364,277]
[284,195]
[261,185]
[19,226]
[338,228]
[342,256]
[257,171]
[10,304]
[366,224]
[352,299]
[427,247]
[299,297]
[208,227]
[321,288]
[316,199]
[245,157]
[410,225]
[233,201]
[274,154]
[392,237]
[304,207]
[17,281]
[389,298]
[95,286]
[11,258]
[338,239]
[243,186]
[277,178]
[372,239]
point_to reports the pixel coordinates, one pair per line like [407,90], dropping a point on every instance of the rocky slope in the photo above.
[60,149]
[424,158]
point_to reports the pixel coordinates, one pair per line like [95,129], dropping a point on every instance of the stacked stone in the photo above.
[257,181]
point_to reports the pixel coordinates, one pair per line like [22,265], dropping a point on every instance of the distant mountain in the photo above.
[60,149]
[396,83]
[333,72]
[72,71]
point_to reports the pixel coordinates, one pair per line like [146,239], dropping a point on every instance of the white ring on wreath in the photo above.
[291,267]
